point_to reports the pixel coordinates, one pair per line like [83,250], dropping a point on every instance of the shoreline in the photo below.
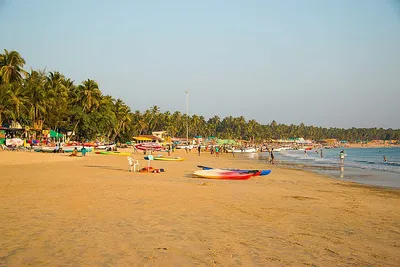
[93,207]
[363,167]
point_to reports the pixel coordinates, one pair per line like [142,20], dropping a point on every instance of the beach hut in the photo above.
[146,138]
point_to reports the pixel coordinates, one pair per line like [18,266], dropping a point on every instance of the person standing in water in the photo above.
[384,159]
[320,154]
[341,157]
[272,156]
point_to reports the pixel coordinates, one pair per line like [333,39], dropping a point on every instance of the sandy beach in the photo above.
[90,211]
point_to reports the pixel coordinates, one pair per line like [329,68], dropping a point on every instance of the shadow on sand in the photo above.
[105,167]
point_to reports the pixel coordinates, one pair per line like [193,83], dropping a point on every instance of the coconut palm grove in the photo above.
[38,99]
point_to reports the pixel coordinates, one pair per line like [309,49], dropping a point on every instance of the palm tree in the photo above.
[164,120]
[36,97]
[138,123]
[154,113]
[197,125]
[252,130]
[11,64]
[122,113]
[88,96]
[58,97]
[5,105]
[214,124]
[178,126]
[17,101]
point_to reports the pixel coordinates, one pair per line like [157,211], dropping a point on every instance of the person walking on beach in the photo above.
[233,151]
[341,157]
[271,154]
[83,150]
[199,149]
[217,151]
[169,149]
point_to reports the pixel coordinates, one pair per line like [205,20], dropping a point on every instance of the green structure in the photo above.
[54,134]
[2,139]
[227,142]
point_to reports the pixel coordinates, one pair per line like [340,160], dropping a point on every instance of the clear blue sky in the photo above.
[326,63]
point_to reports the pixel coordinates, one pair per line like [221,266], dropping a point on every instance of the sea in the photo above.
[361,165]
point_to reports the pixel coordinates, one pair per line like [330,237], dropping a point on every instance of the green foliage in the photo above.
[55,101]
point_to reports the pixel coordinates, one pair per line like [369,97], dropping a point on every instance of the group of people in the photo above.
[215,150]
[316,151]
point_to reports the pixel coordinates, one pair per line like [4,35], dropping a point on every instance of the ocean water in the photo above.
[362,165]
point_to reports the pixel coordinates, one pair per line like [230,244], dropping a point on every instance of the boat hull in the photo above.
[169,158]
[113,153]
[222,174]
[149,146]
[261,172]
[69,149]
[104,147]
[246,150]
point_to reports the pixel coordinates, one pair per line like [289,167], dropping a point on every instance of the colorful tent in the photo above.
[54,134]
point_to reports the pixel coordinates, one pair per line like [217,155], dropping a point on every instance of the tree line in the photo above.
[49,100]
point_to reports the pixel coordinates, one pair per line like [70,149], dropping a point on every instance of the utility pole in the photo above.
[187,118]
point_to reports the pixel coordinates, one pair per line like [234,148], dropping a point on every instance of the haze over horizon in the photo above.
[329,64]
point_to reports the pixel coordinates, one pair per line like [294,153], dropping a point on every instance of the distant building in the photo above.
[147,138]
[160,134]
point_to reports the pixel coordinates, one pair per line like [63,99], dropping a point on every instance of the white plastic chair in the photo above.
[133,164]
[149,158]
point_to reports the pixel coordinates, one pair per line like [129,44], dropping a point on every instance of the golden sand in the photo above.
[90,211]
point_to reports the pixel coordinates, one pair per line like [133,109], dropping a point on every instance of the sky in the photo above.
[323,63]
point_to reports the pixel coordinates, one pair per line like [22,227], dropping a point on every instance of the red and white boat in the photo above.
[149,146]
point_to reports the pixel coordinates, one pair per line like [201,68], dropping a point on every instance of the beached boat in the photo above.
[223,174]
[69,149]
[66,149]
[258,172]
[149,146]
[169,158]
[184,147]
[115,153]
[45,149]
[104,147]
[244,150]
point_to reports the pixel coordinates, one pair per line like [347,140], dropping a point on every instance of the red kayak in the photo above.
[224,174]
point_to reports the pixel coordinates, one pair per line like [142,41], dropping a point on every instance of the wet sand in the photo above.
[90,211]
